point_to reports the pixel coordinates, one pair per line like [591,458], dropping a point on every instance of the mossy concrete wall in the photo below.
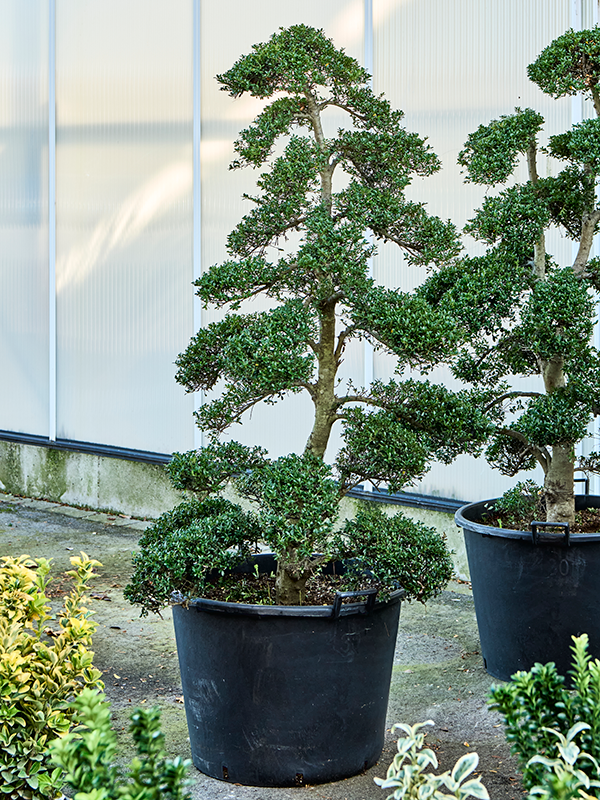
[143,490]
[82,479]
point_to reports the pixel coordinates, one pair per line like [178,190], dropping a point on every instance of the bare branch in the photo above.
[539,247]
[342,338]
[588,226]
[541,455]
[509,395]
[358,398]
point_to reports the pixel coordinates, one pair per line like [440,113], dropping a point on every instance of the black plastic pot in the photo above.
[286,695]
[533,590]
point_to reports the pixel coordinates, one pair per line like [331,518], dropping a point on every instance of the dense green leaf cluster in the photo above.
[569,65]
[491,153]
[209,470]
[558,317]
[516,218]
[180,549]
[291,61]
[87,755]
[523,501]
[417,421]
[580,145]
[395,551]
[568,196]
[298,500]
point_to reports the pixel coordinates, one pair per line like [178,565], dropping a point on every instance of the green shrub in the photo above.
[521,504]
[408,778]
[86,756]
[297,506]
[395,551]
[179,549]
[39,673]
[537,706]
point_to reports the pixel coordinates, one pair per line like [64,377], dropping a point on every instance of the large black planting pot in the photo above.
[286,695]
[533,590]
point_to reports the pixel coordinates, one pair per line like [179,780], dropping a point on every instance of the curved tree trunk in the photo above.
[324,395]
[558,485]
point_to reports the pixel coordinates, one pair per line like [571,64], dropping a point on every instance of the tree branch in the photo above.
[539,247]
[327,172]
[588,226]
[342,338]
[541,455]
[508,396]
[596,99]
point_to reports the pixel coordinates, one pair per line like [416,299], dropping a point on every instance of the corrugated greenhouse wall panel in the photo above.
[452,66]
[124,220]
[24,215]
[285,426]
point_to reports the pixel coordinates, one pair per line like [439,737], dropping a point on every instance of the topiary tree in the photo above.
[323,192]
[522,313]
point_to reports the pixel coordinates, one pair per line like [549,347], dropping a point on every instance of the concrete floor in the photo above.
[438,672]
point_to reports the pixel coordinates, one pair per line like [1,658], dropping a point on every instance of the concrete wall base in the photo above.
[81,479]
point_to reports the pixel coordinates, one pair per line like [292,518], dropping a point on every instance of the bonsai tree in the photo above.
[522,313]
[304,246]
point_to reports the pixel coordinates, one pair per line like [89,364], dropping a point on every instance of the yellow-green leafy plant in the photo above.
[87,756]
[409,778]
[41,671]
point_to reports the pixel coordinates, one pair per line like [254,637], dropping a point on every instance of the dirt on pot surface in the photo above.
[438,672]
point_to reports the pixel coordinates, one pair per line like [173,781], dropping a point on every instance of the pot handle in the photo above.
[564,525]
[370,594]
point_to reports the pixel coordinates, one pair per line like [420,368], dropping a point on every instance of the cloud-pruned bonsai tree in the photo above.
[305,247]
[523,314]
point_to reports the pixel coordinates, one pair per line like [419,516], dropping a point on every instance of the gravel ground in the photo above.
[438,672]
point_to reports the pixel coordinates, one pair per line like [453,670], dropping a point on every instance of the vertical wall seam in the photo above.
[52,389]
[197,191]
[368,63]
[595,479]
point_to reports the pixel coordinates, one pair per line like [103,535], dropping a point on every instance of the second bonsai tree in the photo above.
[320,297]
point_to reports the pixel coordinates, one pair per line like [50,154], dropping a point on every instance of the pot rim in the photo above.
[463,519]
[258,610]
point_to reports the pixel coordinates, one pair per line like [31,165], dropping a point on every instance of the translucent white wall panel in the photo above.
[124,220]
[284,427]
[452,65]
[24,215]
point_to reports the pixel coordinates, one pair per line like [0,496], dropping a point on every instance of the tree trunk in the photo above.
[558,482]
[290,584]
[324,394]
[558,485]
